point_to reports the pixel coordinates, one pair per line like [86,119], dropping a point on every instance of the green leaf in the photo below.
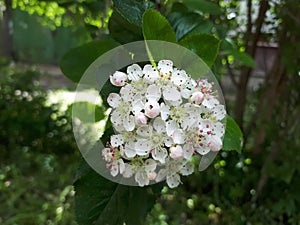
[77,60]
[186,22]
[229,48]
[132,10]
[243,58]
[88,112]
[204,27]
[123,31]
[100,201]
[183,23]
[157,27]
[233,138]
[204,45]
[204,6]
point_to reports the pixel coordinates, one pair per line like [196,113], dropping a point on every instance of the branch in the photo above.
[231,74]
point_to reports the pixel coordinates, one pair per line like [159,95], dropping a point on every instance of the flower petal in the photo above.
[215,143]
[179,77]
[129,150]
[159,125]
[165,67]
[171,94]
[187,169]
[178,136]
[153,92]
[197,97]
[219,112]
[121,166]
[114,100]
[128,172]
[150,73]
[141,178]
[210,102]
[173,180]
[114,170]
[187,151]
[128,93]
[171,126]
[116,118]
[134,72]
[164,111]
[176,152]
[118,78]
[116,140]
[150,165]
[140,118]
[161,175]
[145,131]
[143,146]
[152,109]
[129,123]
[159,154]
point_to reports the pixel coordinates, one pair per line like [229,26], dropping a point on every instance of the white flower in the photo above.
[145,172]
[165,67]
[162,118]
[176,152]
[172,170]
[134,72]
[179,77]
[150,73]
[140,118]
[172,96]
[152,109]
[118,79]
[197,97]
[116,140]
[120,117]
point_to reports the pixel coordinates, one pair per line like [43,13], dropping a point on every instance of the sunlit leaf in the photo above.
[88,112]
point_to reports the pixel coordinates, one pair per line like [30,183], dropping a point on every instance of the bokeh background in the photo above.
[258,67]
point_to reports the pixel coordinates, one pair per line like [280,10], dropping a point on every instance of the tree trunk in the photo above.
[8,50]
[251,42]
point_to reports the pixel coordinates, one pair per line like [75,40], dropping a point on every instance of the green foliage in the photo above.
[123,31]
[204,45]
[185,21]
[99,201]
[204,6]
[132,10]
[156,27]
[86,110]
[76,61]
[233,138]
[37,161]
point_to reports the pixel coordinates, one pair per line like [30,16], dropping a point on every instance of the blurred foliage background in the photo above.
[258,66]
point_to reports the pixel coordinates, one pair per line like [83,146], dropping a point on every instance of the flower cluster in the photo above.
[162,118]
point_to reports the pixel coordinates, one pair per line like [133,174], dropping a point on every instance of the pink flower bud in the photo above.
[152,109]
[118,78]
[176,152]
[140,118]
[197,97]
